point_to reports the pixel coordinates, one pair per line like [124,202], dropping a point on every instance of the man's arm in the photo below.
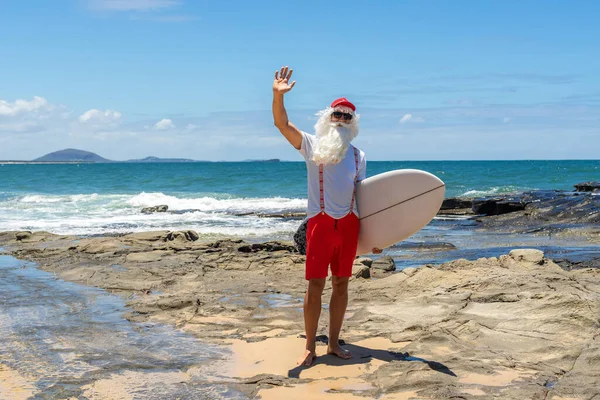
[280,87]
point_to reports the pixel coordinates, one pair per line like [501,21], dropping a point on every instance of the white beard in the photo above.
[333,140]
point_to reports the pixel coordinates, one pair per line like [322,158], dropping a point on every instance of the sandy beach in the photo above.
[513,327]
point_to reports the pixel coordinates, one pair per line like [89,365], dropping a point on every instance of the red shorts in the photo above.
[332,242]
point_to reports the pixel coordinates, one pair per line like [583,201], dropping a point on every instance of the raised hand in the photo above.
[281,83]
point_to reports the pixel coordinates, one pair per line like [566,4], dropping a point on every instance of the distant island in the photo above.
[152,159]
[71,156]
[269,160]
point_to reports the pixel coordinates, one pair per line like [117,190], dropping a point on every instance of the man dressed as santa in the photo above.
[334,167]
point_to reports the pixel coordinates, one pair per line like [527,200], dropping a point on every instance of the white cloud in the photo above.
[405,119]
[165,18]
[18,127]
[409,117]
[31,128]
[97,116]
[23,106]
[132,5]
[164,124]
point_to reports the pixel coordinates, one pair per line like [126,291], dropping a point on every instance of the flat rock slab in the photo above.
[513,327]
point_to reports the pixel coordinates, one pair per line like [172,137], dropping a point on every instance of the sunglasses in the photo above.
[339,114]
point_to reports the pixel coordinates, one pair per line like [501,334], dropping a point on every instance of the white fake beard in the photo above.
[333,140]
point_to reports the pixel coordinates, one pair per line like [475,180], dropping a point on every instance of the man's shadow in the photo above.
[363,355]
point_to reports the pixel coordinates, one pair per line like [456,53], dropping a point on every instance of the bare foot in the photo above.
[338,351]
[307,360]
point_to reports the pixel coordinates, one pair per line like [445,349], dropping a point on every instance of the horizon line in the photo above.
[273,160]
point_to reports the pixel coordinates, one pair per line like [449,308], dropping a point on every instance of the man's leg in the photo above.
[312,312]
[318,254]
[337,310]
[341,270]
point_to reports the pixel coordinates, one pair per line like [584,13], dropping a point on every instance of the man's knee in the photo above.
[339,284]
[315,287]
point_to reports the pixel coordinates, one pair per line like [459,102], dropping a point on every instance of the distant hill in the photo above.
[158,160]
[72,155]
[269,160]
[75,155]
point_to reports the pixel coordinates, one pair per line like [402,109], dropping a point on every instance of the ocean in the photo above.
[212,198]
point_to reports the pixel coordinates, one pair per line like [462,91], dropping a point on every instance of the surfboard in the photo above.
[394,205]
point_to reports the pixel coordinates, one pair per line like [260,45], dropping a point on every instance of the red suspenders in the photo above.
[355,178]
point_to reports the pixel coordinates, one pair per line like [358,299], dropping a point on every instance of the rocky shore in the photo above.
[514,327]
[517,326]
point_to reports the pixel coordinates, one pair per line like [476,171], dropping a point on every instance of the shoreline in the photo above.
[550,211]
[464,328]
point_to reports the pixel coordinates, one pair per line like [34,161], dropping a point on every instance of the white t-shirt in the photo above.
[338,180]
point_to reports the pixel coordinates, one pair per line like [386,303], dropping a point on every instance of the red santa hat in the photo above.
[342,101]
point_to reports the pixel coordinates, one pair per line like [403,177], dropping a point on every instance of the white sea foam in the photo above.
[489,192]
[119,213]
[212,204]
[450,217]
[92,214]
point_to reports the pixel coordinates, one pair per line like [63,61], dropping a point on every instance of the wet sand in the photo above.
[13,385]
[513,327]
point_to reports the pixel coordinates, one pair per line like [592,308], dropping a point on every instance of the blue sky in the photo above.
[432,80]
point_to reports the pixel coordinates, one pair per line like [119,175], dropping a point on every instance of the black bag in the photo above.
[300,237]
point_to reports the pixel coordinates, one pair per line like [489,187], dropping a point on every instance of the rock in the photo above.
[148,256]
[426,246]
[188,236]
[266,246]
[570,265]
[153,236]
[495,298]
[543,210]
[363,261]
[454,203]
[361,271]
[587,186]
[22,235]
[385,263]
[290,215]
[266,380]
[176,302]
[224,243]
[100,247]
[150,210]
[529,255]
[497,206]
